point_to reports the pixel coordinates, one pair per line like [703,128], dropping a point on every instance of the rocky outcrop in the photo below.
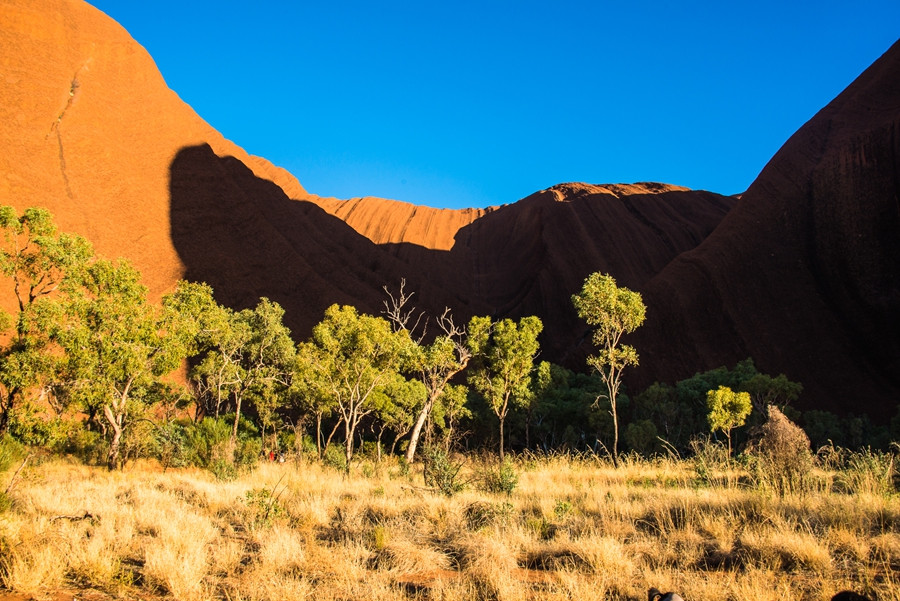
[804,274]
[92,132]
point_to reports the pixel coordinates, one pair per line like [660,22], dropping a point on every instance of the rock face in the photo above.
[245,237]
[804,273]
[89,129]
[92,132]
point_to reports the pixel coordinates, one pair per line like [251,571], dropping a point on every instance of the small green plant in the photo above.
[264,506]
[504,479]
[543,528]
[379,537]
[562,510]
[334,457]
[11,452]
[223,470]
[441,472]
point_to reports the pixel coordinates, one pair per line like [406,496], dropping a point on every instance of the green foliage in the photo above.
[31,425]
[504,479]
[562,401]
[39,261]
[336,458]
[246,356]
[613,312]
[727,410]
[11,452]
[117,347]
[449,410]
[441,472]
[562,509]
[208,444]
[264,506]
[680,411]
[349,358]
[641,436]
[503,362]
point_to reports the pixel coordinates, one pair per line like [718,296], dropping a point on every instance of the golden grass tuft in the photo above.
[574,528]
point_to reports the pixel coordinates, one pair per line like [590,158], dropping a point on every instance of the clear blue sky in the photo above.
[470,104]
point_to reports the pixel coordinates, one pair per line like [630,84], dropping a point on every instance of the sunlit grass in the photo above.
[573,528]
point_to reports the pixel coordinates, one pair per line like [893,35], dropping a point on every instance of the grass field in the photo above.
[571,529]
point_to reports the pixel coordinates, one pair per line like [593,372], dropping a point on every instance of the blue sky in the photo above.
[471,104]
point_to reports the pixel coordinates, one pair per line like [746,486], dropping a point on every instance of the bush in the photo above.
[441,472]
[504,479]
[208,445]
[171,446]
[334,456]
[11,452]
[264,506]
[87,445]
[29,424]
[782,453]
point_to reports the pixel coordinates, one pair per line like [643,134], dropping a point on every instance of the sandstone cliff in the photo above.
[804,273]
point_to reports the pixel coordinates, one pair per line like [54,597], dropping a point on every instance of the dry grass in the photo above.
[573,529]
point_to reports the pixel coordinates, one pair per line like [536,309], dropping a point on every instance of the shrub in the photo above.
[208,445]
[441,472]
[11,452]
[504,479]
[264,507]
[334,456]
[782,451]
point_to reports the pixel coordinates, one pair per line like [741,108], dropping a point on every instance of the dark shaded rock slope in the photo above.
[804,273]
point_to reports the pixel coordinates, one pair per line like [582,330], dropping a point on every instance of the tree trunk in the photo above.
[528,430]
[4,417]
[615,449]
[378,445]
[319,434]
[417,430]
[237,417]
[501,439]
[348,444]
[334,430]
[115,421]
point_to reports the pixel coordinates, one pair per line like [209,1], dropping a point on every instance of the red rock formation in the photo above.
[91,131]
[804,274]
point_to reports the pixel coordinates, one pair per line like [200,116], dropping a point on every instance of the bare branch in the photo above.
[455,333]
[399,315]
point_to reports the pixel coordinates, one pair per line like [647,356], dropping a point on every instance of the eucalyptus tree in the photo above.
[40,262]
[396,405]
[727,410]
[614,312]
[117,346]
[249,357]
[503,362]
[349,357]
[436,363]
